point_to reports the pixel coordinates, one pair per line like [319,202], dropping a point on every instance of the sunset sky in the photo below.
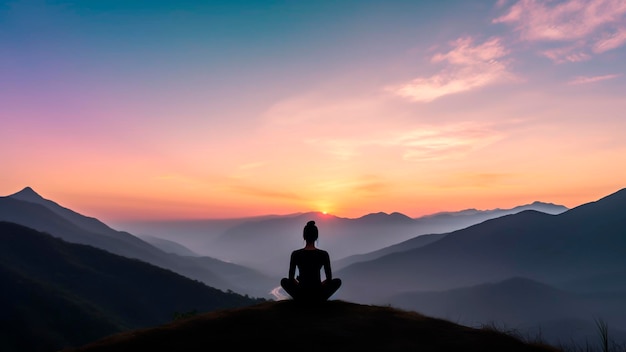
[149,109]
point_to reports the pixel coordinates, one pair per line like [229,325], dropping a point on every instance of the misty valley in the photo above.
[541,269]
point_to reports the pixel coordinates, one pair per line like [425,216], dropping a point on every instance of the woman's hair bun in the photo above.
[310,232]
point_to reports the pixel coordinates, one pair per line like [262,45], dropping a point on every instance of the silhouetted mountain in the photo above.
[468,217]
[381,217]
[585,241]
[333,326]
[29,209]
[580,250]
[87,223]
[57,294]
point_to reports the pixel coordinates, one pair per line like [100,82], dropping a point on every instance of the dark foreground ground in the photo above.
[331,326]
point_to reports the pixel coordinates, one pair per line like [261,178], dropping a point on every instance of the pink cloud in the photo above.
[572,53]
[591,79]
[469,66]
[593,25]
[610,41]
[466,53]
[501,3]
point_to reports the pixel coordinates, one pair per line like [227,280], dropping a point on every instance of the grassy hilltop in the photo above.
[332,326]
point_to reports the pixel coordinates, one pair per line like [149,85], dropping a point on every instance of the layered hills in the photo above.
[30,209]
[552,274]
[585,242]
[57,294]
[266,242]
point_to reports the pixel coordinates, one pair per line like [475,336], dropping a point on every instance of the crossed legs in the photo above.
[321,293]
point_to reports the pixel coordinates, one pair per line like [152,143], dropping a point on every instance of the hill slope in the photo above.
[333,326]
[583,242]
[466,275]
[57,294]
[29,209]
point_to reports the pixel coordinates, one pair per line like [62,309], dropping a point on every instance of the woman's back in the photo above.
[309,263]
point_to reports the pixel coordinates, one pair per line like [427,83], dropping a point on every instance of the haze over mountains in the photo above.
[265,243]
[540,268]
[585,242]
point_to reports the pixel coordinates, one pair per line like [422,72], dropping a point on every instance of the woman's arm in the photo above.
[327,269]
[292,266]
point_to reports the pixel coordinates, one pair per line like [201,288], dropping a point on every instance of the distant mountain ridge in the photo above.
[544,207]
[529,244]
[265,242]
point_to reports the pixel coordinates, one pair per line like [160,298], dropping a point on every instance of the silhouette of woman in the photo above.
[308,285]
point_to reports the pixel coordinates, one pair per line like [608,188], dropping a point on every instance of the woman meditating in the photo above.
[309,261]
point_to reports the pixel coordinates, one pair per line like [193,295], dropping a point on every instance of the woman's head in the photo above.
[310,232]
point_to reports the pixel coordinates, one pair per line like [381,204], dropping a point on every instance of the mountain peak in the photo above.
[385,217]
[27,194]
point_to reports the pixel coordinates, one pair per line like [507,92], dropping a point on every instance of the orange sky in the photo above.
[168,112]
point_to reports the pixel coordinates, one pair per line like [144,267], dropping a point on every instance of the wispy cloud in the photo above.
[570,53]
[445,142]
[591,79]
[609,41]
[468,66]
[585,27]
[424,143]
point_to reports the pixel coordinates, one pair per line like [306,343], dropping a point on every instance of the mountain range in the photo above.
[265,243]
[584,242]
[572,262]
[540,268]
